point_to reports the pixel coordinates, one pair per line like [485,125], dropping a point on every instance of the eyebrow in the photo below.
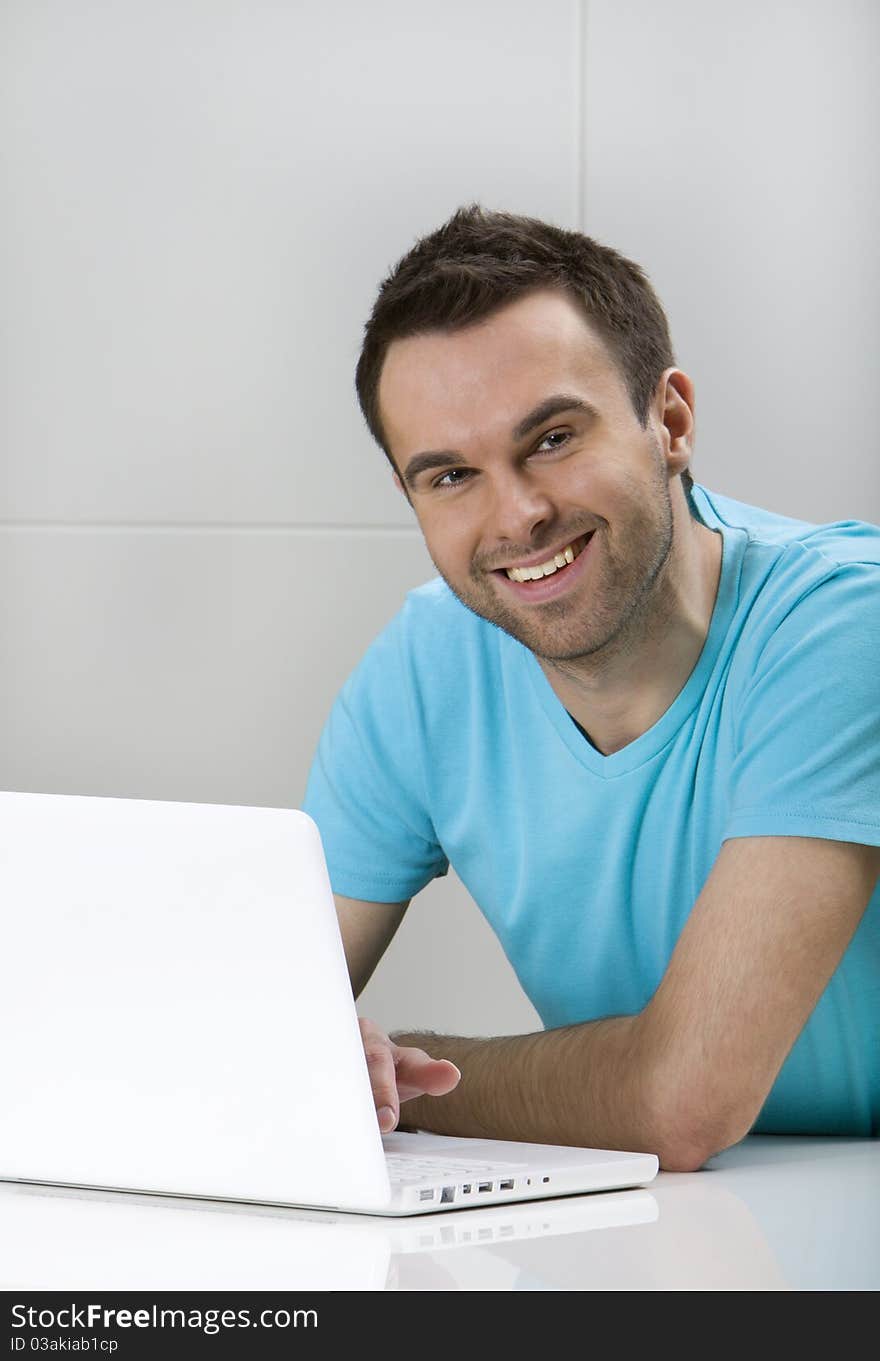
[544,411]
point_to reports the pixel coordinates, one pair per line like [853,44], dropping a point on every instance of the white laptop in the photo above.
[178,1019]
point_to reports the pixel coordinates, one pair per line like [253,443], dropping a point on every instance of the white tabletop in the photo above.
[769,1214]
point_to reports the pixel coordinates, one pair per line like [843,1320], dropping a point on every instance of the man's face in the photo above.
[497,483]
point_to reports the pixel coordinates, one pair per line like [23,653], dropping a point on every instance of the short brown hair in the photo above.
[480,260]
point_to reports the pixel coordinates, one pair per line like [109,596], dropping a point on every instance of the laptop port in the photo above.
[485,1186]
[466,1189]
[505,1186]
[426,1195]
[447,1195]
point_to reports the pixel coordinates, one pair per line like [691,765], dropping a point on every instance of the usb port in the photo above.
[485,1186]
[505,1186]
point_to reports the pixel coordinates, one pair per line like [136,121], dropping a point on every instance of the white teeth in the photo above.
[543,569]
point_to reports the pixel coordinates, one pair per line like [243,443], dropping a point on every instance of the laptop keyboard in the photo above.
[405,1170]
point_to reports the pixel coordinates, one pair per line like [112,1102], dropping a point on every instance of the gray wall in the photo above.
[197,537]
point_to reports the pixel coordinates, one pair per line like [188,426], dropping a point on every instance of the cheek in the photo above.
[593,484]
[449,537]
[612,492]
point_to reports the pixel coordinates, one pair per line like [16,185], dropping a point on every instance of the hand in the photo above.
[399,1073]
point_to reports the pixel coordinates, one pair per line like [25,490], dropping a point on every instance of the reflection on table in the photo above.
[770,1214]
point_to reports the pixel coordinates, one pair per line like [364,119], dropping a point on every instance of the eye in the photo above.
[453,477]
[563,435]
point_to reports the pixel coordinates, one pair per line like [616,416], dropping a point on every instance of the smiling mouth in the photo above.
[557,563]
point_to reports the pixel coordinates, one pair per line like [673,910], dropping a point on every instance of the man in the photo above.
[640,719]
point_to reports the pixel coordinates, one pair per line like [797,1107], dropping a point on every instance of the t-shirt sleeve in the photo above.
[807,735]
[366,790]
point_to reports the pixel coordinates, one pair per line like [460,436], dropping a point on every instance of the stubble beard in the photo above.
[624,603]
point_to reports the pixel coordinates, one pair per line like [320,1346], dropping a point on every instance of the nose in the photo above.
[520,506]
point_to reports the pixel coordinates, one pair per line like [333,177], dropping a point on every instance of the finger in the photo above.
[383,1081]
[418,1074]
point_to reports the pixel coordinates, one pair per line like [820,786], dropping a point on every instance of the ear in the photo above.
[674,408]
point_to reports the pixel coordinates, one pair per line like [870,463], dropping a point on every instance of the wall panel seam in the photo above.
[87,527]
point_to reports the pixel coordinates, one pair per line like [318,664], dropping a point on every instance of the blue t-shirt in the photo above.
[448,745]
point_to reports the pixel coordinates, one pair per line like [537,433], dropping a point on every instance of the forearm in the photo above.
[587,1085]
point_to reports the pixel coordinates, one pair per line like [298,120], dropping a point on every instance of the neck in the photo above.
[616,695]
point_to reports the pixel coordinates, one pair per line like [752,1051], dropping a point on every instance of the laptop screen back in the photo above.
[176,1004]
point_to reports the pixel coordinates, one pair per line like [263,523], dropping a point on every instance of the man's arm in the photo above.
[688,1075]
[367,930]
